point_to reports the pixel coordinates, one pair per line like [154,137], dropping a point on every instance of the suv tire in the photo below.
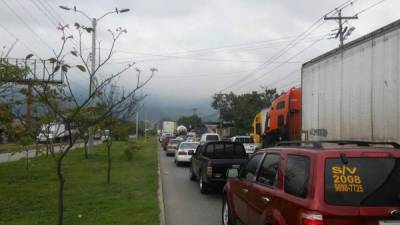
[192,176]
[226,213]
[178,164]
[203,186]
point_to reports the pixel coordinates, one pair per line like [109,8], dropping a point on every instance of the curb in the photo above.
[160,193]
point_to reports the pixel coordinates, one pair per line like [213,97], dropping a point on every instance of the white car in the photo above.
[247,141]
[209,137]
[185,152]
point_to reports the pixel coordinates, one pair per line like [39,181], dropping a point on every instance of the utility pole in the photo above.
[341,34]
[194,111]
[137,124]
[39,75]
[93,57]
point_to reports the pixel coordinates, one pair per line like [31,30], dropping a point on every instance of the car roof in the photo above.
[189,142]
[331,147]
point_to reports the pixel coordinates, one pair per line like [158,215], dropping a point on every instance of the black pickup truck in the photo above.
[211,161]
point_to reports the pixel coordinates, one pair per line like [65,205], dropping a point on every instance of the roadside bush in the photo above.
[128,154]
[130,149]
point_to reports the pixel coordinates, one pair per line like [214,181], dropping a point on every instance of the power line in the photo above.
[22,42]
[275,56]
[301,36]
[44,13]
[27,25]
[370,7]
[280,65]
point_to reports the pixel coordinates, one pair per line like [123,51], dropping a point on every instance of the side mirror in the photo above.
[190,152]
[232,173]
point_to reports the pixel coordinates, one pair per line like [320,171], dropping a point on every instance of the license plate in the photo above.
[389,222]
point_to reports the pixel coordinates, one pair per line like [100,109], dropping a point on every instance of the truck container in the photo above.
[352,92]
[169,127]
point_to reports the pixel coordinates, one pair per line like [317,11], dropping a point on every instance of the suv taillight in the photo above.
[209,169]
[312,218]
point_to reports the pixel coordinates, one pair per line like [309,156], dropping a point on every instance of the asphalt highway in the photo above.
[184,204]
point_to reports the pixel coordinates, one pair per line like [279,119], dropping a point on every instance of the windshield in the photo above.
[245,140]
[175,142]
[363,182]
[188,146]
[212,138]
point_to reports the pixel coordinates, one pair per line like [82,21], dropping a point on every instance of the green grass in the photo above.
[30,196]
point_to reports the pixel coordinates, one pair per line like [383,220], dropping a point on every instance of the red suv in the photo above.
[316,183]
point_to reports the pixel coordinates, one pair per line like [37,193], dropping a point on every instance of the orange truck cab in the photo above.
[283,120]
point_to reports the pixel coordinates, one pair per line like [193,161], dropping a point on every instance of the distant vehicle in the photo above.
[54,132]
[192,134]
[209,137]
[211,161]
[191,139]
[258,127]
[247,141]
[169,127]
[181,130]
[172,146]
[322,183]
[165,139]
[182,154]
[282,120]
[105,136]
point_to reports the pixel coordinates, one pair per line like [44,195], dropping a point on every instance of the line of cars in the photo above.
[301,183]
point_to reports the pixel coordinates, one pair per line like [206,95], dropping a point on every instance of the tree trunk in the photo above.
[61,181]
[27,158]
[85,140]
[109,163]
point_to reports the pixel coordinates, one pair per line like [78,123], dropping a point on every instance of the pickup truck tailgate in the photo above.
[220,166]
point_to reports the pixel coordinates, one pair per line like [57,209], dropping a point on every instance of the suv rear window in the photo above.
[362,182]
[225,150]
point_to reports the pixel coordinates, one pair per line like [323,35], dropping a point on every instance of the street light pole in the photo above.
[93,57]
[93,68]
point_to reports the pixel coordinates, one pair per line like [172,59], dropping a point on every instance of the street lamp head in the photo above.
[123,10]
[65,7]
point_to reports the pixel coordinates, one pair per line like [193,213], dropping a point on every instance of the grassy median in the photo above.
[30,196]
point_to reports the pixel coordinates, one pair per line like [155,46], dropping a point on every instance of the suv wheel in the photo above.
[192,176]
[177,163]
[203,186]
[226,214]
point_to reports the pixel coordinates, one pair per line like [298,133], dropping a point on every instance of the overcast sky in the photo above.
[199,47]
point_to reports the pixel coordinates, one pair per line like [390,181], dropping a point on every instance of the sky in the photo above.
[199,47]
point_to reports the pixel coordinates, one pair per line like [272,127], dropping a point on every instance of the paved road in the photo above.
[8,157]
[184,204]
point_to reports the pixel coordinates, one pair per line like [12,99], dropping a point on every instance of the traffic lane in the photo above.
[183,202]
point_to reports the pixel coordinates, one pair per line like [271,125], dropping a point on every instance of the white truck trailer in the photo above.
[169,127]
[353,92]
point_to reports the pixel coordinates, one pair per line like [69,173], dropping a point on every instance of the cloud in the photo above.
[160,33]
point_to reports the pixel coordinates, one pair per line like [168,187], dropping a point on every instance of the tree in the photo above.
[86,111]
[190,122]
[240,109]
[112,123]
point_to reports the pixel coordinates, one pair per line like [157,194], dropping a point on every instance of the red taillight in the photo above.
[376,154]
[312,219]
[182,153]
[209,170]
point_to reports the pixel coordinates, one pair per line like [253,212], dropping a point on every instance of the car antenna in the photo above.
[344,158]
